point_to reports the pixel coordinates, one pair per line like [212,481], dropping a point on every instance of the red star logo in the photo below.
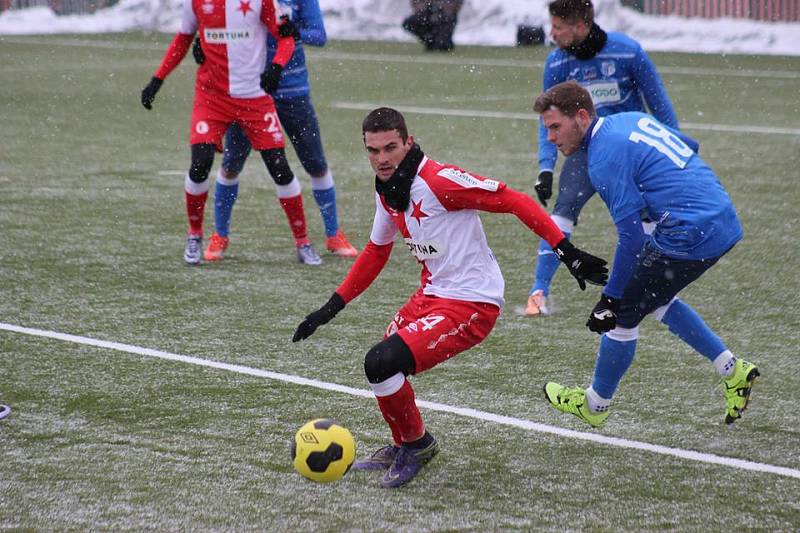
[244,7]
[417,211]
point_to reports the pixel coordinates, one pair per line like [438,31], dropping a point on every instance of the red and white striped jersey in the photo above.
[233,34]
[443,231]
[447,239]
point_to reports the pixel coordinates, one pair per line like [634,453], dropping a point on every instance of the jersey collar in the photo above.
[593,129]
[591,46]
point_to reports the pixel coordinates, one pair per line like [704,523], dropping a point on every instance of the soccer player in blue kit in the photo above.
[299,121]
[620,77]
[636,163]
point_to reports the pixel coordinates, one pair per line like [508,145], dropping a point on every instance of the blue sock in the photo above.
[546,266]
[326,200]
[613,360]
[684,322]
[224,198]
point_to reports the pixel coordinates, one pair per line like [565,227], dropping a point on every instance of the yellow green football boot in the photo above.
[737,389]
[573,401]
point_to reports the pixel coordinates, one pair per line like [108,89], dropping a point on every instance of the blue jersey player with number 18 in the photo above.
[635,164]
[620,77]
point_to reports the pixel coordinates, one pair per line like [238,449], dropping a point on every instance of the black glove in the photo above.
[149,92]
[288,29]
[544,186]
[582,265]
[321,316]
[197,52]
[271,77]
[604,315]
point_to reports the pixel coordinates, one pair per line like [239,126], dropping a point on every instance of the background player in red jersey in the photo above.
[233,85]
[435,207]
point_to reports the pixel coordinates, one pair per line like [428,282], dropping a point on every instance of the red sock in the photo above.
[293,207]
[397,438]
[401,413]
[195,207]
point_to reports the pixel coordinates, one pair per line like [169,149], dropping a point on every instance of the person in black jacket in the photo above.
[434,22]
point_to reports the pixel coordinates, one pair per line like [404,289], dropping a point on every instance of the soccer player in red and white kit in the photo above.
[233,85]
[435,208]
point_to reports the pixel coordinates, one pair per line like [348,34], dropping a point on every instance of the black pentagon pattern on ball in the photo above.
[319,461]
[325,424]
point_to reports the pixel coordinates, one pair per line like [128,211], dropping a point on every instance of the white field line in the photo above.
[434,406]
[398,58]
[474,113]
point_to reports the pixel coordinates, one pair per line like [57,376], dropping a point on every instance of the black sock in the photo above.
[420,443]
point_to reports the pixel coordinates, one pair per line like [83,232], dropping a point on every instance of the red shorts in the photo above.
[213,113]
[436,329]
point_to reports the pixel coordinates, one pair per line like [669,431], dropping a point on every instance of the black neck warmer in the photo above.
[397,190]
[590,46]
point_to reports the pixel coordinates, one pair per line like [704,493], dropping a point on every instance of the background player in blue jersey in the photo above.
[636,163]
[620,77]
[299,121]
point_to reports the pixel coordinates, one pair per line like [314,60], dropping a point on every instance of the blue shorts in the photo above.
[655,281]
[299,122]
[574,187]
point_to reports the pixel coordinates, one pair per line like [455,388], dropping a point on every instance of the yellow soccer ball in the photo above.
[323,451]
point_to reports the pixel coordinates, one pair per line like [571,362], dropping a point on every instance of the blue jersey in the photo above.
[307,17]
[621,77]
[637,163]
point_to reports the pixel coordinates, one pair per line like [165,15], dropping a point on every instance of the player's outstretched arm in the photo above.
[490,195]
[321,316]
[365,269]
[172,58]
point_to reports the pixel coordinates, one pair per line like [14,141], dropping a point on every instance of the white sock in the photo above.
[322,183]
[289,190]
[597,403]
[724,363]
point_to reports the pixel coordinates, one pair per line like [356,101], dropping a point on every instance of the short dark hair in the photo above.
[573,11]
[385,119]
[568,97]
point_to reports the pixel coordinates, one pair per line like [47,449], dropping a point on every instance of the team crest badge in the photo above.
[608,68]
[244,7]
[417,212]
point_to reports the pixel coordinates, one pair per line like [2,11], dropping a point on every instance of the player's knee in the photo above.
[316,168]
[228,174]
[387,358]
[202,160]
[277,166]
